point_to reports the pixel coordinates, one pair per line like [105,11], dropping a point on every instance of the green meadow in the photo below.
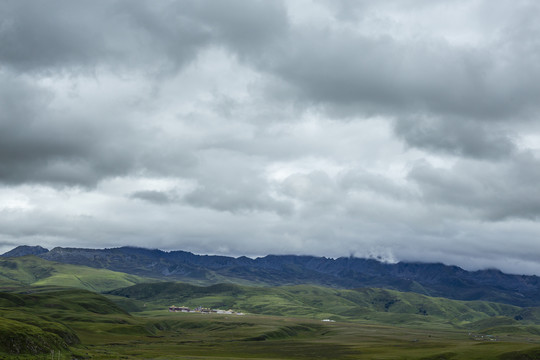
[43,318]
[31,270]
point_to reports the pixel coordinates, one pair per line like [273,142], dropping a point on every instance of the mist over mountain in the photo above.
[433,279]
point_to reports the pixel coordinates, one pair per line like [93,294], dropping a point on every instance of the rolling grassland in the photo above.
[82,325]
[365,304]
[45,316]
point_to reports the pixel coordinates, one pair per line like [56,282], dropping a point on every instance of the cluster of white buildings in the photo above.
[202,310]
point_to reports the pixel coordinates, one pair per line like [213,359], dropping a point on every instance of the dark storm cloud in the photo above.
[493,191]
[456,136]
[62,34]
[346,71]
[39,144]
[354,73]
[41,35]
[382,74]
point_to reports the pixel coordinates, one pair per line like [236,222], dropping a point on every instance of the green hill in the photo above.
[376,305]
[31,270]
[41,320]
[78,324]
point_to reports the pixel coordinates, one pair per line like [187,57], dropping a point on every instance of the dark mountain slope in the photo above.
[346,272]
[25,250]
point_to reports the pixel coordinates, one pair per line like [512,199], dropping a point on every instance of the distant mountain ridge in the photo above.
[346,272]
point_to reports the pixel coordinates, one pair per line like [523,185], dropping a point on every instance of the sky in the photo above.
[401,130]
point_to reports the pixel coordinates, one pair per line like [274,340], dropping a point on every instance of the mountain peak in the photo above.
[25,250]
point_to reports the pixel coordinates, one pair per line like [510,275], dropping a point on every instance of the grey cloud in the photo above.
[380,74]
[246,26]
[153,196]
[461,137]
[61,34]
[314,189]
[361,180]
[40,144]
[6,244]
[348,195]
[229,181]
[347,72]
[241,198]
[299,137]
[354,10]
[353,74]
[44,34]
[493,191]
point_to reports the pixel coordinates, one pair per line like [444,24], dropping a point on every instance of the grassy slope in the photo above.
[375,305]
[43,319]
[191,336]
[31,270]
[80,324]
[381,324]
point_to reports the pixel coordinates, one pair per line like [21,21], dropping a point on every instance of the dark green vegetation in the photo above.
[40,314]
[428,279]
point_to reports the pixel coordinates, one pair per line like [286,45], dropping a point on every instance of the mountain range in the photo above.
[432,279]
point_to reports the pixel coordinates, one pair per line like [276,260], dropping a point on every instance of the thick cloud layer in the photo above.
[407,130]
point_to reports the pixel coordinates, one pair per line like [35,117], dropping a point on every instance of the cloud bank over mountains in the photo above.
[403,129]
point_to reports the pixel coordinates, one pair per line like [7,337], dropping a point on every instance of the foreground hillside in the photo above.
[41,320]
[428,279]
[31,270]
[57,323]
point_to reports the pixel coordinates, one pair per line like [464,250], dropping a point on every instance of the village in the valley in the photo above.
[202,310]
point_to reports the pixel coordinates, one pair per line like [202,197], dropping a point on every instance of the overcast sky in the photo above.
[406,129]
